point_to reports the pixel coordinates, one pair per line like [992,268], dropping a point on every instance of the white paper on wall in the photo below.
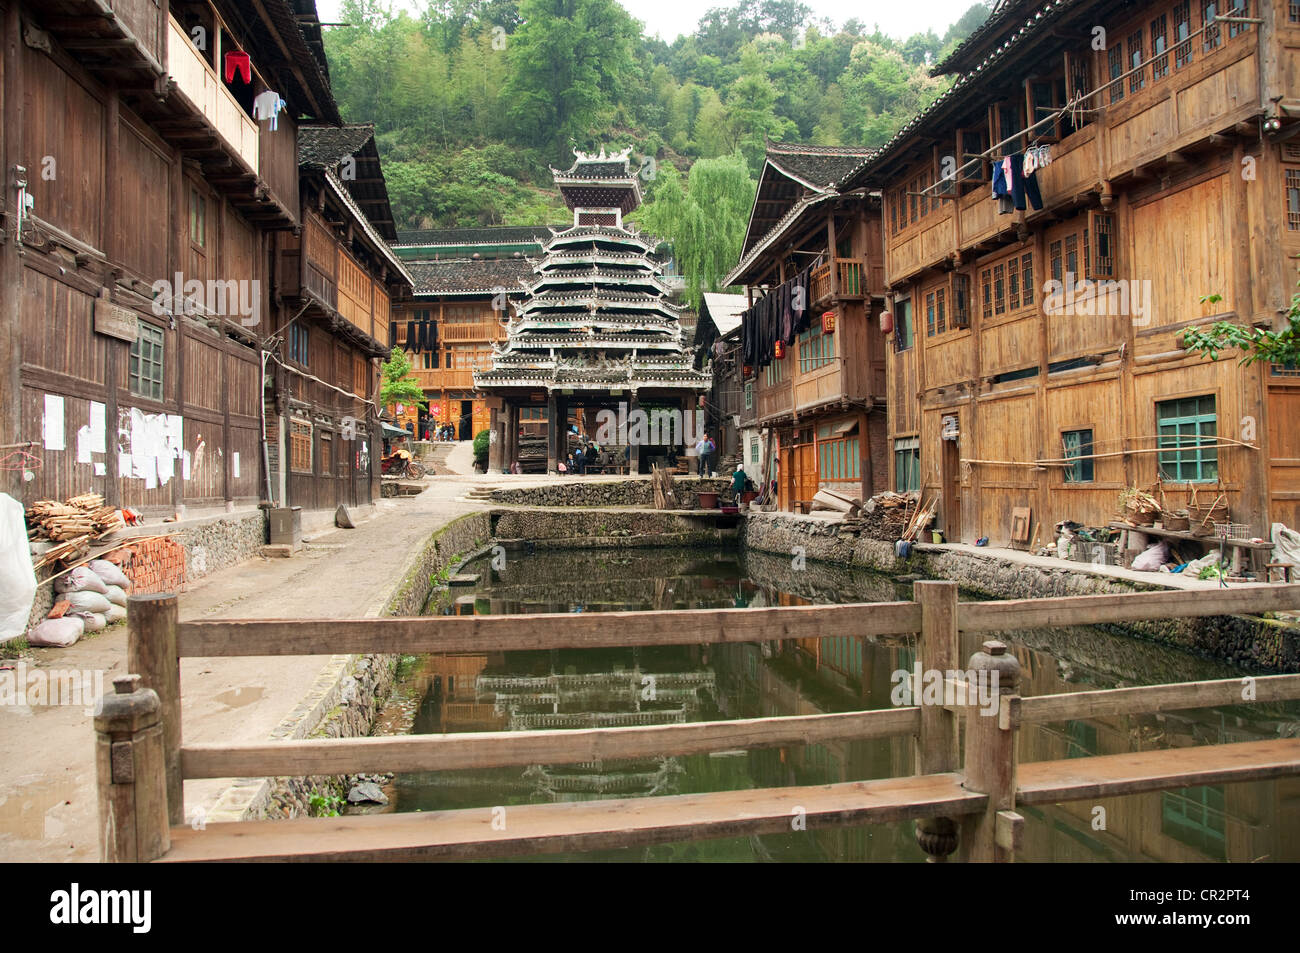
[53,428]
[97,428]
[83,444]
[185,465]
[100,469]
[123,464]
[234,464]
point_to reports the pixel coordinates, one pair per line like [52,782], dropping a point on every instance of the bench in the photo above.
[1238,546]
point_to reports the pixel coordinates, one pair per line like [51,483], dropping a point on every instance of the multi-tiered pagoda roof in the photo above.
[597,315]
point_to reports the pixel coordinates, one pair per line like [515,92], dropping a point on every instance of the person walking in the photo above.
[738,483]
[702,455]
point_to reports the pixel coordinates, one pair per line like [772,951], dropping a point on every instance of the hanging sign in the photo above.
[779,350]
[828,322]
[115,321]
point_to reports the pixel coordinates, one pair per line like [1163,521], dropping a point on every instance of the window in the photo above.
[326,452]
[776,372]
[146,371]
[837,459]
[1013,284]
[1136,80]
[298,343]
[941,318]
[1191,425]
[960,300]
[816,350]
[907,464]
[1115,64]
[1293,11]
[987,282]
[929,315]
[1103,250]
[1196,817]
[753,450]
[1182,31]
[1212,37]
[902,325]
[1027,279]
[1240,9]
[1293,200]
[749,395]
[198,218]
[449,358]
[1072,255]
[893,213]
[1078,444]
[1054,256]
[300,445]
[999,289]
[1159,48]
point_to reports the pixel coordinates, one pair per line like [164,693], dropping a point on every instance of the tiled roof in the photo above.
[820,166]
[321,147]
[464,276]
[725,310]
[967,85]
[963,54]
[487,235]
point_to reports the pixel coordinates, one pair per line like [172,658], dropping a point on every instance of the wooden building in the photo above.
[337,280]
[730,407]
[150,155]
[467,284]
[821,400]
[1036,359]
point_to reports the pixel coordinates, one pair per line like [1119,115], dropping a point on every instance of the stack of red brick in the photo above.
[152,565]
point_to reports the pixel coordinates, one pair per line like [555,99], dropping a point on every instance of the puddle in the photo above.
[239,697]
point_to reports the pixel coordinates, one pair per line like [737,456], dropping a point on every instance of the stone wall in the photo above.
[562,529]
[631,492]
[1245,641]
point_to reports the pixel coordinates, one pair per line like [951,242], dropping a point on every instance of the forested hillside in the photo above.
[474,99]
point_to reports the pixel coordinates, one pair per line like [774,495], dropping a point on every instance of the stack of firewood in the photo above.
[83,515]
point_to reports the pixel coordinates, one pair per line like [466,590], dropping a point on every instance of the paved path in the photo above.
[48,810]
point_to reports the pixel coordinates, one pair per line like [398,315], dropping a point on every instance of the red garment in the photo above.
[239,61]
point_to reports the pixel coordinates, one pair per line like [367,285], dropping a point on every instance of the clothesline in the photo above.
[1076,103]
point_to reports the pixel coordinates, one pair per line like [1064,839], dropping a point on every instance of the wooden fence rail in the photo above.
[972,808]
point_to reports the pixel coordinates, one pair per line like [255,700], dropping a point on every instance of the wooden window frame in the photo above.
[1202,456]
[904,325]
[1101,231]
[1212,36]
[1114,69]
[1082,471]
[300,344]
[300,439]
[148,352]
[1183,54]
[959,294]
[1291,196]
[1160,55]
[907,457]
[1135,54]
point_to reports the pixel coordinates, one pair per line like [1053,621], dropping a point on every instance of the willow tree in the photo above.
[705,221]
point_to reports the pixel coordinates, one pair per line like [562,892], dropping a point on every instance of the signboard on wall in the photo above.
[115,321]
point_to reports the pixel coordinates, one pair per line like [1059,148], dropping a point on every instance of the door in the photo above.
[466,420]
[950,505]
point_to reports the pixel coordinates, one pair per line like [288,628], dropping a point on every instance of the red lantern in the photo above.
[779,350]
[828,322]
[749,370]
[886,323]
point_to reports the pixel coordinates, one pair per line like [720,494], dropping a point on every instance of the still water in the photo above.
[594,688]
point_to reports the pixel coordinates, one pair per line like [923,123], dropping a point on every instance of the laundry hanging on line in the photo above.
[268,105]
[1011,186]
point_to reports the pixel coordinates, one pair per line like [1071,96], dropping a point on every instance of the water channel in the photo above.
[575,689]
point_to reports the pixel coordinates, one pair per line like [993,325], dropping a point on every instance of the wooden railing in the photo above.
[200,83]
[142,762]
[445,378]
[851,276]
[475,331]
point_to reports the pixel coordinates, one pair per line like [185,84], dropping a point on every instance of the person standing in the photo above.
[738,482]
[702,455]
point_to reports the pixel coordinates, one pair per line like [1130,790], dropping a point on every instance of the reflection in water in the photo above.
[660,685]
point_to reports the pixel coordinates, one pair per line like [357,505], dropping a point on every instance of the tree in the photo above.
[1256,344]
[397,386]
[705,223]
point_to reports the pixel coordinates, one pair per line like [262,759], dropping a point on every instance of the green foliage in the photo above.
[397,386]
[481,440]
[324,805]
[705,222]
[1256,344]
[474,100]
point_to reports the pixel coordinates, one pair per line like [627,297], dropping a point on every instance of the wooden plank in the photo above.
[575,825]
[1124,607]
[1149,698]
[543,631]
[496,749]
[1078,779]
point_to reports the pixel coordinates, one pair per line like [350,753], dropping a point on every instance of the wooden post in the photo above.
[131,775]
[151,651]
[496,441]
[552,433]
[991,758]
[634,458]
[936,745]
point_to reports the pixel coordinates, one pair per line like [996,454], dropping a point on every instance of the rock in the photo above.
[367,793]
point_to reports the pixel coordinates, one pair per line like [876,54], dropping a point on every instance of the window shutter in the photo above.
[959,299]
[1101,235]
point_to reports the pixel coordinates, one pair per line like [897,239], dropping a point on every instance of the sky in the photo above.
[668,18]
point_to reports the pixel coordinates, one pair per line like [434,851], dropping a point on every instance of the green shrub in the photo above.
[481,447]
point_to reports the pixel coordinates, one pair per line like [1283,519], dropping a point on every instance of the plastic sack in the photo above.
[94,621]
[1286,545]
[57,633]
[87,601]
[115,614]
[17,577]
[116,595]
[110,573]
[1151,559]
[81,579]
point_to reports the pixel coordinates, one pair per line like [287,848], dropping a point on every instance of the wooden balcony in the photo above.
[203,87]
[851,285]
[774,400]
[474,331]
[818,387]
[445,378]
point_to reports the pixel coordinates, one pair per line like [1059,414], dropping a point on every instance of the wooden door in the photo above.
[806,471]
[951,489]
[1284,457]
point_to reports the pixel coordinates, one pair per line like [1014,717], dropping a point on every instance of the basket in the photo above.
[1177,523]
[1231,530]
